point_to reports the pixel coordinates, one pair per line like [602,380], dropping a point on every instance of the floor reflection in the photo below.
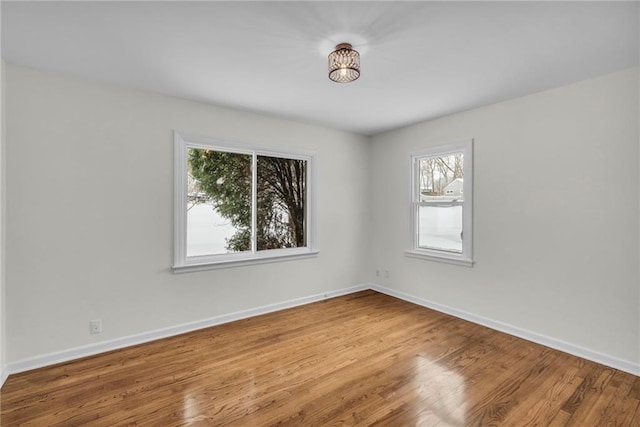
[190,408]
[441,394]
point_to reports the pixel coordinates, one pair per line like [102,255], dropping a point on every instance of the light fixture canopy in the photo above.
[344,64]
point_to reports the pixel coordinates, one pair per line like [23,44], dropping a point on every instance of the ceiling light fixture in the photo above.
[344,64]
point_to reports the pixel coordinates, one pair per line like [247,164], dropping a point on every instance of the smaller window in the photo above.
[441,203]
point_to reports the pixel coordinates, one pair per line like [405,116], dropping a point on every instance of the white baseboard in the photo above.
[4,373]
[101,347]
[576,350]
[118,343]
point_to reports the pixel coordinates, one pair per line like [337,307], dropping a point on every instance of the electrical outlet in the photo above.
[386,274]
[377,273]
[95,326]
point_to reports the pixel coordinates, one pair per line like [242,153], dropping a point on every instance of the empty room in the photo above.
[312,213]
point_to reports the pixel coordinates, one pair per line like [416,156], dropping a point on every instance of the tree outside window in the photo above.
[237,205]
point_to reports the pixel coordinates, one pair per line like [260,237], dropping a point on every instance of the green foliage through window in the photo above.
[226,180]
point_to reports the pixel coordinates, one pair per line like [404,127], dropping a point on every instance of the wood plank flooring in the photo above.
[364,359]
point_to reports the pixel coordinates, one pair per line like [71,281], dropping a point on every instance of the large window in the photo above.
[441,203]
[239,205]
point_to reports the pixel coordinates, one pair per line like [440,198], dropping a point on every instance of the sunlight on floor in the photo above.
[441,393]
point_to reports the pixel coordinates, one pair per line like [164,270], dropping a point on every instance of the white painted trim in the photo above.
[183,263]
[576,350]
[4,373]
[442,257]
[119,343]
[242,262]
[465,258]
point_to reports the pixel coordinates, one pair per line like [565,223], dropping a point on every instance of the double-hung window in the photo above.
[236,204]
[441,203]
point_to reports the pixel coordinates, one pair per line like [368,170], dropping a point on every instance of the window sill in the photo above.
[241,262]
[440,258]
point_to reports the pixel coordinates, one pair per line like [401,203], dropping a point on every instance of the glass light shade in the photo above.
[344,64]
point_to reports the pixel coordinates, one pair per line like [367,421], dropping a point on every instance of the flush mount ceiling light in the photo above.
[344,64]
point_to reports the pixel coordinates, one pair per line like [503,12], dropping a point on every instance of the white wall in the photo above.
[90,223]
[3,371]
[89,214]
[555,215]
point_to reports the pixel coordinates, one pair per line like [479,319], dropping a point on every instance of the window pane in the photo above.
[441,182]
[218,202]
[281,203]
[441,176]
[440,227]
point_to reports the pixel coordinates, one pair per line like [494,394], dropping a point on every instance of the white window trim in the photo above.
[466,257]
[182,263]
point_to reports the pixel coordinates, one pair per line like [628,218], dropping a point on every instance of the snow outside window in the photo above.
[441,203]
[240,205]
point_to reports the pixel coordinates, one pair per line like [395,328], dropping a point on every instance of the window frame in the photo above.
[466,257]
[183,263]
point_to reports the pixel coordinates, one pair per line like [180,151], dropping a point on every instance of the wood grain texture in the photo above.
[364,359]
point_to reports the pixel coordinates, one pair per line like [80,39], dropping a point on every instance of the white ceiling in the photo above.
[420,60]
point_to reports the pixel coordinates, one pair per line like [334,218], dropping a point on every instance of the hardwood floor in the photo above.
[362,359]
